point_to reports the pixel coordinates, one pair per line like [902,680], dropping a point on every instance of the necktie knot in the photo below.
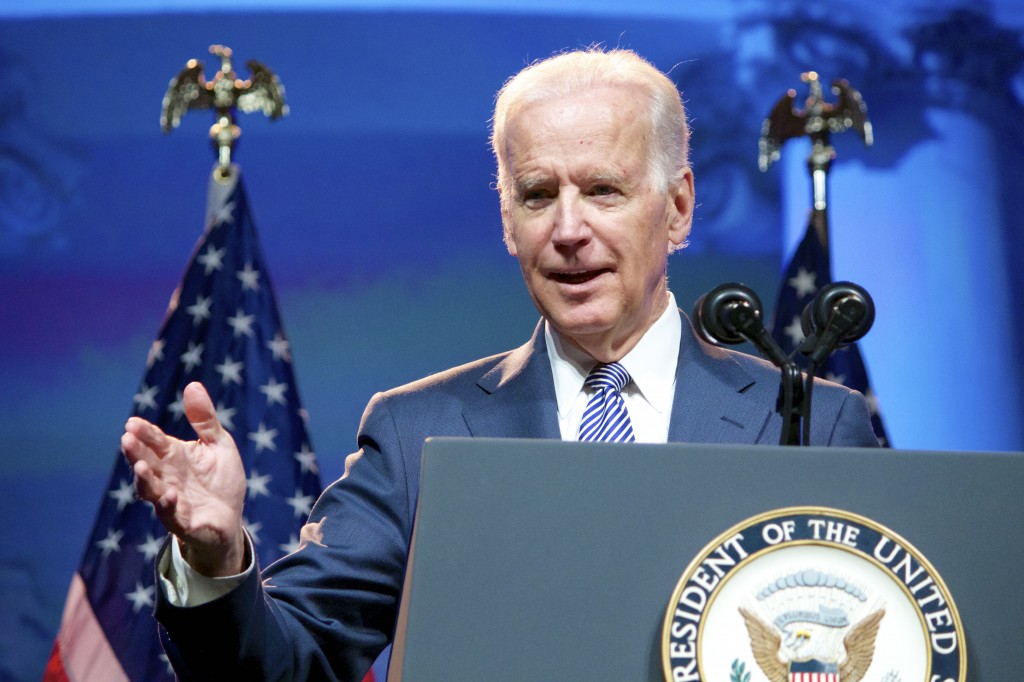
[605,417]
[612,375]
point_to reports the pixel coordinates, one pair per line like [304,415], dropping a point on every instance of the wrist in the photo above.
[217,561]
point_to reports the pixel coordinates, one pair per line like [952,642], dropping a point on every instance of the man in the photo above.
[596,191]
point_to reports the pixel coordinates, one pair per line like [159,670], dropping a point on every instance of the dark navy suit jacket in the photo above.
[327,610]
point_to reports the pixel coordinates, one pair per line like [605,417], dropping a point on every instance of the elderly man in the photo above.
[596,192]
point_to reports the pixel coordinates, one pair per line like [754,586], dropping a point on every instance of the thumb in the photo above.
[201,414]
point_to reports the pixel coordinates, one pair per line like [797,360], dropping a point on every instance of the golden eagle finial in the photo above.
[262,91]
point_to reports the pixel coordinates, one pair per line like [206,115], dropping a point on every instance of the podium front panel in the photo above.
[546,560]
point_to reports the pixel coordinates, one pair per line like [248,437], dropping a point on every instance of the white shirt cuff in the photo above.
[186,587]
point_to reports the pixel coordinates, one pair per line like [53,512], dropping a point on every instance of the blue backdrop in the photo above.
[381,228]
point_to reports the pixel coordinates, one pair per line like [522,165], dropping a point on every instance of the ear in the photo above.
[506,225]
[681,211]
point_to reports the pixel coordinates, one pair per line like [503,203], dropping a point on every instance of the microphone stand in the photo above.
[842,312]
[791,404]
[730,313]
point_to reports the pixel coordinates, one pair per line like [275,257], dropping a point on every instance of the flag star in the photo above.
[230,371]
[242,323]
[307,460]
[177,408]
[795,331]
[256,485]
[302,504]
[836,378]
[274,391]
[225,214]
[151,547]
[226,416]
[200,310]
[253,529]
[124,495]
[250,278]
[167,661]
[292,545]
[804,282]
[279,347]
[111,543]
[142,596]
[156,352]
[212,259]
[146,397]
[193,357]
[264,438]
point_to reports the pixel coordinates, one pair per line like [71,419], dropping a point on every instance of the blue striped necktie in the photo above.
[606,418]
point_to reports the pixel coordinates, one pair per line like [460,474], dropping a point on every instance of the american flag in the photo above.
[221,328]
[808,271]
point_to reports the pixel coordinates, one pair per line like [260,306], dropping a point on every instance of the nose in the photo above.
[570,226]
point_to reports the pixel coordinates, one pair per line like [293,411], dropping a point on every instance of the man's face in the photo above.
[590,229]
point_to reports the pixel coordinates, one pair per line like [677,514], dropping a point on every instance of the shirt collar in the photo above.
[651,363]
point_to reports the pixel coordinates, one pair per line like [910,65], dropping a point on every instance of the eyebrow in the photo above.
[601,177]
[608,178]
[524,185]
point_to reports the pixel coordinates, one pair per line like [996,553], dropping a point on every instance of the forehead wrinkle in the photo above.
[539,148]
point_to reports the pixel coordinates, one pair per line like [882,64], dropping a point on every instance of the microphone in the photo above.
[841,313]
[731,313]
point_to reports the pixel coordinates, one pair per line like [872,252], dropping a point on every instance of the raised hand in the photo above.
[196,487]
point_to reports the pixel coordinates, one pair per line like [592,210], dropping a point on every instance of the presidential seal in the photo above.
[812,594]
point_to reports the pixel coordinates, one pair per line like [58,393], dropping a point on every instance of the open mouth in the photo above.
[580,277]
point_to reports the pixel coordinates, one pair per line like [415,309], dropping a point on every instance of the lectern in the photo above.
[545,560]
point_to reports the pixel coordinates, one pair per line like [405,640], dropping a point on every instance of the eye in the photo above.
[537,197]
[606,193]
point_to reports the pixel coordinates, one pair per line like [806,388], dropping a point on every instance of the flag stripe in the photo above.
[54,671]
[82,646]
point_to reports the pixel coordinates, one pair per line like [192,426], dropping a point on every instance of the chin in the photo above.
[579,326]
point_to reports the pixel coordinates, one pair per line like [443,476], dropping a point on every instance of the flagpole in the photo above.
[810,267]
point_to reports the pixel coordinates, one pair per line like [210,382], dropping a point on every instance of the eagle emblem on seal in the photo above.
[809,634]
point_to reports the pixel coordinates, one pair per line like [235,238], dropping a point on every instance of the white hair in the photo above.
[575,72]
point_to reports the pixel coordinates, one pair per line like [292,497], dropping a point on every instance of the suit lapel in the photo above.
[519,396]
[713,401]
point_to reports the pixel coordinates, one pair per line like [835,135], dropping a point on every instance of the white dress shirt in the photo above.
[651,365]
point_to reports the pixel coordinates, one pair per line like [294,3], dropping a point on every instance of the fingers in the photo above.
[164,498]
[150,487]
[143,441]
[148,484]
[201,414]
[144,445]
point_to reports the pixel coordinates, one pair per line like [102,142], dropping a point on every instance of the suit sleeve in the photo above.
[326,611]
[852,427]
